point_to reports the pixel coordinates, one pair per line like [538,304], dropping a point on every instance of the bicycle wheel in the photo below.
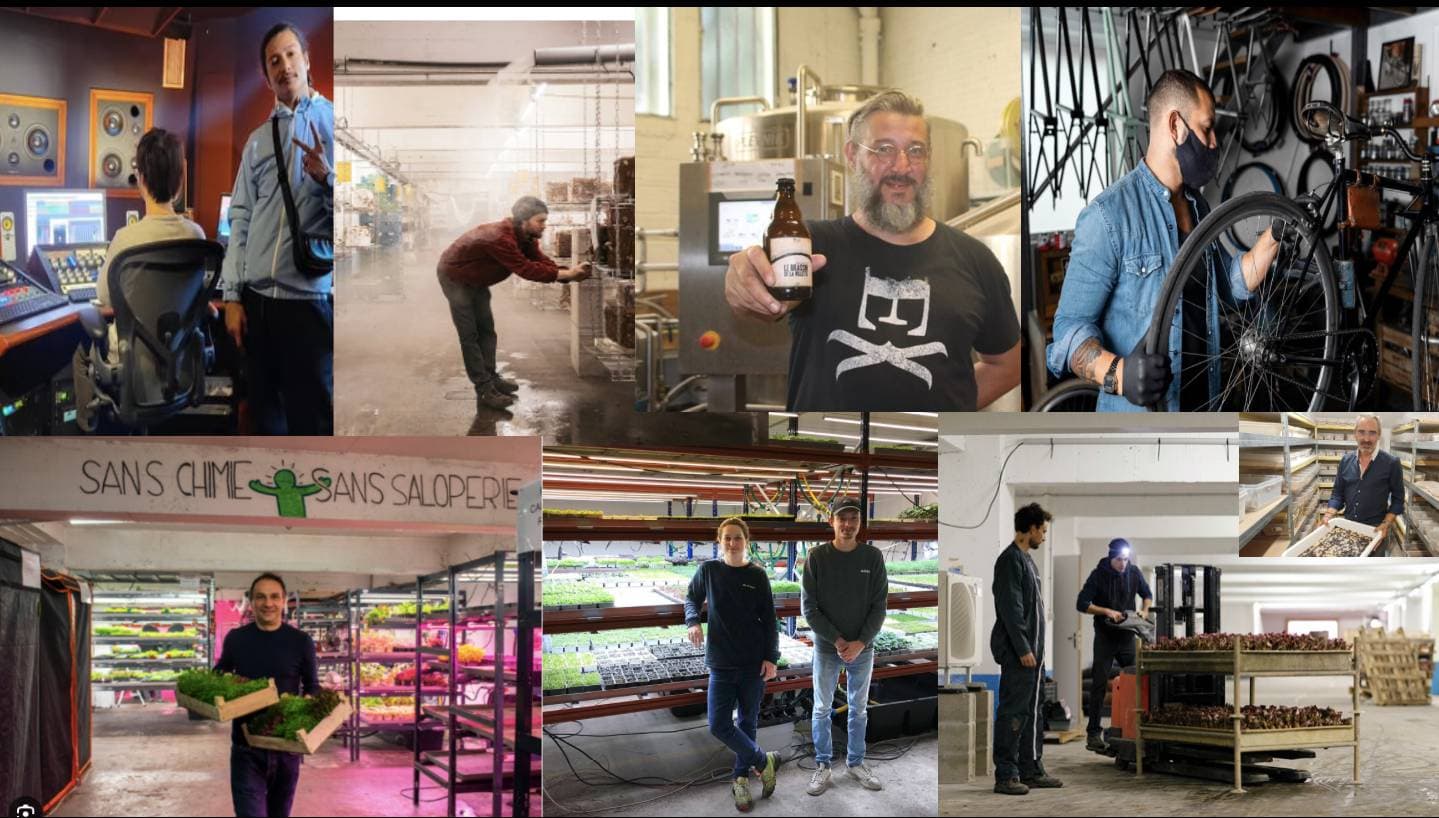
[1261,178]
[1266,106]
[1424,323]
[1073,395]
[1278,349]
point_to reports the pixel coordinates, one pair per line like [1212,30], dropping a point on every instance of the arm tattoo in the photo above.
[1083,360]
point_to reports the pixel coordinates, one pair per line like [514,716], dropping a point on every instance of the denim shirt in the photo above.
[259,256]
[1125,242]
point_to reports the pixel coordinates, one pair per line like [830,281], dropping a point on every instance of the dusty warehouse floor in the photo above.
[398,369]
[644,750]
[1397,770]
[158,762]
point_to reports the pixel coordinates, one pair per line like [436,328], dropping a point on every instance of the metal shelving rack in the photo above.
[1240,664]
[1426,491]
[506,723]
[1295,486]
[204,645]
[359,603]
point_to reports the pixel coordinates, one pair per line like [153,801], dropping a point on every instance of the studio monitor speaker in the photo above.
[32,141]
[117,121]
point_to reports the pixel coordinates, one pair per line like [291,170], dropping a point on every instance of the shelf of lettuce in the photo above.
[142,640]
[621,637]
[377,657]
[507,720]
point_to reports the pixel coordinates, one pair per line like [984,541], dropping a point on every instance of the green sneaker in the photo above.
[769,773]
[742,800]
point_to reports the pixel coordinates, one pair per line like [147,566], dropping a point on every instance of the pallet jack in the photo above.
[1194,610]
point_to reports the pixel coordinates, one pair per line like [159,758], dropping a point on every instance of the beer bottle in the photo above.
[787,243]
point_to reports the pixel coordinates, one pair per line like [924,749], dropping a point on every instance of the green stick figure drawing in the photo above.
[289,498]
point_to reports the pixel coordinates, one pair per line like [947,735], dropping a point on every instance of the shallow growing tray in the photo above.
[307,741]
[1251,662]
[1313,539]
[1296,738]
[221,710]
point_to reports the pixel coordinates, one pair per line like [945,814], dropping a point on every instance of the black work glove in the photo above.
[1146,376]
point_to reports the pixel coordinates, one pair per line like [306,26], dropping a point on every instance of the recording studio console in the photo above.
[70,269]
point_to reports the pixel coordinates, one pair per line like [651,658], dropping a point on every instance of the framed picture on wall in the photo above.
[1396,64]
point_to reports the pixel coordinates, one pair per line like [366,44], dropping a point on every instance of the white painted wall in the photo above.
[1173,500]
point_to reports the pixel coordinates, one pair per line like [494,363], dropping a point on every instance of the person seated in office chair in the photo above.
[160,173]
[160,169]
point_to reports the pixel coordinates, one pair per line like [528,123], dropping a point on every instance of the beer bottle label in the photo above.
[790,258]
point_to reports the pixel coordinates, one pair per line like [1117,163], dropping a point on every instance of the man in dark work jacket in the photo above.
[480,259]
[1017,642]
[262,782]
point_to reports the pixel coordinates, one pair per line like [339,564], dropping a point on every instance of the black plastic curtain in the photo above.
[19,683]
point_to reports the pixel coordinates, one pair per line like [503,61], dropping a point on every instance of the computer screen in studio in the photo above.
[64,217]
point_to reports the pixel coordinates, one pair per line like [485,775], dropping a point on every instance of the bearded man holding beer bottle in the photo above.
[896,306]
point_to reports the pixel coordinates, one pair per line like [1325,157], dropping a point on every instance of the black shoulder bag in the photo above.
[307,261]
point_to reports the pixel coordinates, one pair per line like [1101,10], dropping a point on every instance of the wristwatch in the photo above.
[1111,385]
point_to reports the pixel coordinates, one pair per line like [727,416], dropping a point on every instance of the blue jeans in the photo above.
[742,687]
[827,665]
[262,782]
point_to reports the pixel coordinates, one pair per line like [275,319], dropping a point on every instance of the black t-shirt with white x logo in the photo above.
[891,327]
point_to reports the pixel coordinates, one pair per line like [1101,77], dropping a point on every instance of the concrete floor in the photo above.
[155,761]
[1398,746]
[398,369]
[910,781]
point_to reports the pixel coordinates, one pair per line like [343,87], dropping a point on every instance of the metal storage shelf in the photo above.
[1239,664]
[702,528]
[1254,522]
[596,619]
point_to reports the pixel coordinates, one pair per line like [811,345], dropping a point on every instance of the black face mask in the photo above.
[1197,161]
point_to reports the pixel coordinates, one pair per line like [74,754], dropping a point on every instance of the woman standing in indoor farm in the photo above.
[741,652]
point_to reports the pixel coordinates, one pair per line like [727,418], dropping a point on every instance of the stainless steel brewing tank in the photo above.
[770,135]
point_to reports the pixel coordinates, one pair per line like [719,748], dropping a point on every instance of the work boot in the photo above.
[742,799]
[488,397]
[768,775]
[1010,786]
[864,775]
[1095,743]
[1043,781]
[819,782]
[504,385]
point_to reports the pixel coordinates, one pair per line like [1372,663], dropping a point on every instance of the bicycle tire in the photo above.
[1303,86]
[1424,322]
[1228,193]
[1279,99]
[1320,157]
[1257,341]
[1082,394]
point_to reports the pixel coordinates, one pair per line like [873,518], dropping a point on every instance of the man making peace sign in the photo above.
[279,316]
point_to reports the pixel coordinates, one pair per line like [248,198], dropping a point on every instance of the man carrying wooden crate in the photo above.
[263,782]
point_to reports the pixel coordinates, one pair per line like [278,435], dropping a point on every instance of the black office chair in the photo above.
[160,293]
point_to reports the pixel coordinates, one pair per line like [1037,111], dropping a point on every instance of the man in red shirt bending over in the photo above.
[480,259]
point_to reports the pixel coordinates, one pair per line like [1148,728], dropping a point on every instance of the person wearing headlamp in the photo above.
[1108,594]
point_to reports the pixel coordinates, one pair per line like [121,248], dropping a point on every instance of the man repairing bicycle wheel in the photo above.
[1125,242]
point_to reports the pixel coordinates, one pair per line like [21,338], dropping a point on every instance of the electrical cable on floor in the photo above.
[795,752]
[405,793]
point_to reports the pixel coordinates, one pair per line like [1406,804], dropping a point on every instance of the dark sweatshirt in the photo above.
[286,655]
[1110,589]
[490,253]
[743,631]
[844,594]
[1018,608]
